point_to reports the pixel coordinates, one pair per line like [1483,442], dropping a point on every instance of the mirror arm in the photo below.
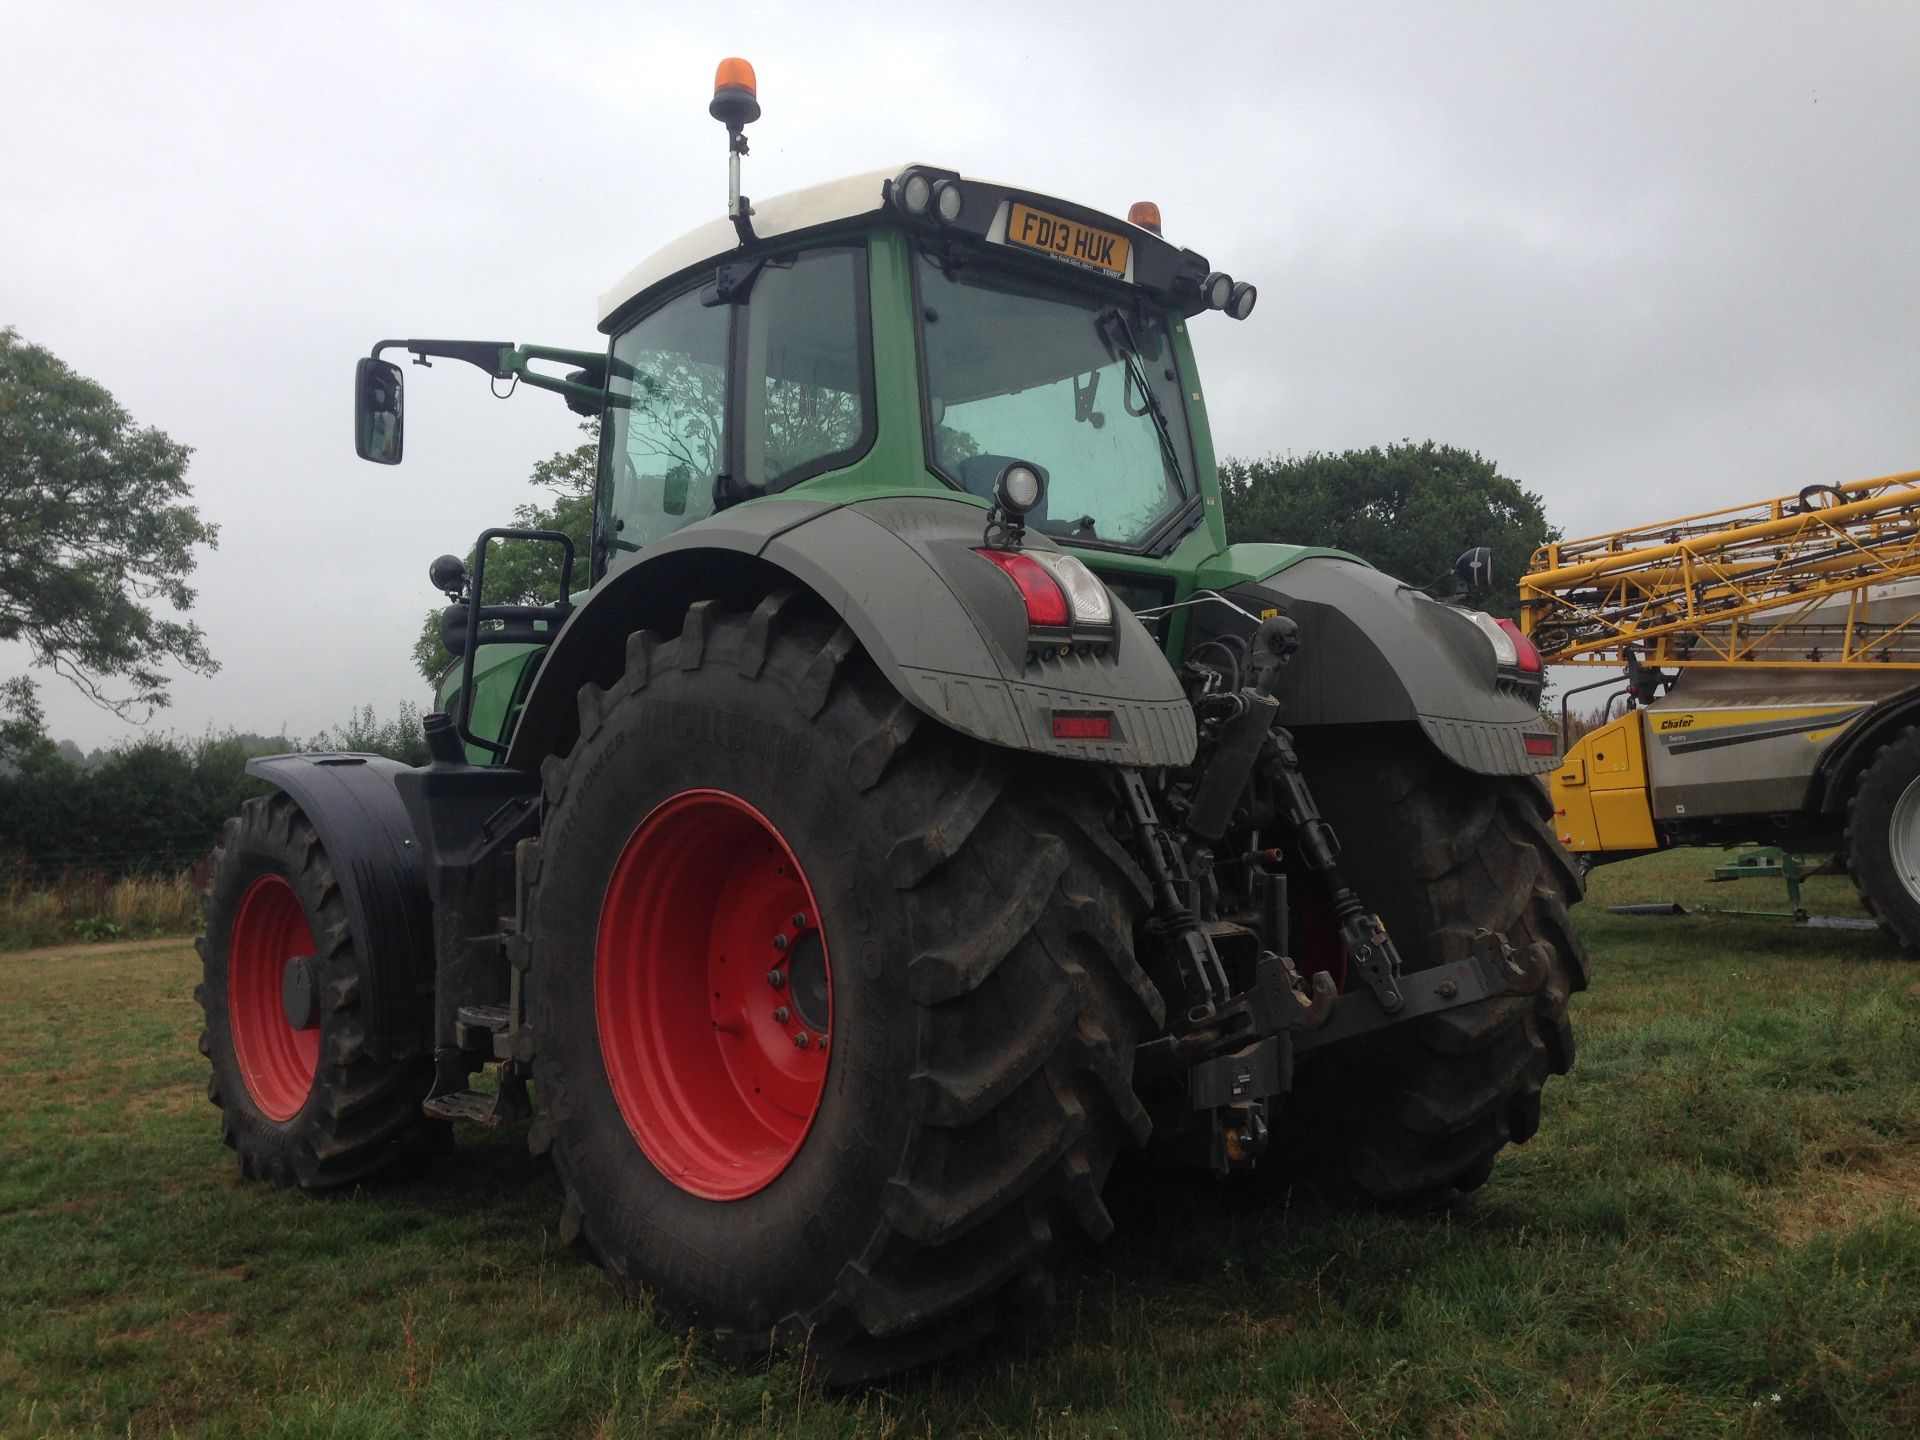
[584,390]
[587,385]
[491,356]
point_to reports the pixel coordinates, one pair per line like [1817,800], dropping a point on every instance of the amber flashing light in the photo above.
[734,74]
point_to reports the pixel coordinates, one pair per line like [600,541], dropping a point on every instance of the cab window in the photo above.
[711,401]
[809,400]
[665,436]
[1077,379]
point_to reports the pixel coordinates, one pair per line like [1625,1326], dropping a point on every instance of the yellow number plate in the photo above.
[1097,250]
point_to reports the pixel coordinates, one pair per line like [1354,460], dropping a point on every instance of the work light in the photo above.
[916,193]
[1018,488]
[947,201]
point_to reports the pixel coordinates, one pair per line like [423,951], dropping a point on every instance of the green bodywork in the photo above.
[878,531]
[897,465]
[501,674]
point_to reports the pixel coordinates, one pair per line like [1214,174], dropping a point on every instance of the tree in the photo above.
[1409,509]
[400,738]
[523,574]
[92,532]
[23,732]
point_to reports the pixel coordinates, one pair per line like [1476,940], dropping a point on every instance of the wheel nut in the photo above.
[776,978]
[779,942]
[781,1014]
[799,920]
[802,1040]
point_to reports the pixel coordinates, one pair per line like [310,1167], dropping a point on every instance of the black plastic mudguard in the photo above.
[353,804]
[945,627]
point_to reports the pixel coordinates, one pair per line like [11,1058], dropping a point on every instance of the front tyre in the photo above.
[302,1104]
[834,1011]
[1883,837]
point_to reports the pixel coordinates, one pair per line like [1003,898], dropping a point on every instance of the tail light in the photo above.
[1526,653]
[1046,602]
[1060,593]
[1514,654]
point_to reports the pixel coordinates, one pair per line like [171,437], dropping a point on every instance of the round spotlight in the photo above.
[1217,288]
[916,193]
[1240,303]
[1019,487]
[948,201]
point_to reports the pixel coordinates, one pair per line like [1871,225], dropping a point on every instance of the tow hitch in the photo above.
[1233,1051]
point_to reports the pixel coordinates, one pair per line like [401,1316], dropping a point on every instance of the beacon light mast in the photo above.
[736,104]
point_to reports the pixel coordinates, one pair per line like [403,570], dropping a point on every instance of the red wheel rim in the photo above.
[276,1061]
[712,994]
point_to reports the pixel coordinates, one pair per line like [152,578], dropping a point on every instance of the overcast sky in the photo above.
[1649,258]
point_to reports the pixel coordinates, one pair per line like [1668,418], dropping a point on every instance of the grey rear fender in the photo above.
[946,628]
[1373,650]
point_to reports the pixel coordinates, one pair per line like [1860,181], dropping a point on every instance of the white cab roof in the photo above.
[816,205]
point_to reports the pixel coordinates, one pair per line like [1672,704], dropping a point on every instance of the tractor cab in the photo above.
[1026,328]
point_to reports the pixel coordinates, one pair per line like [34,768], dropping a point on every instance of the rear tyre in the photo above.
[1441,854]
[301,1102]
[1883,837]
[752,801]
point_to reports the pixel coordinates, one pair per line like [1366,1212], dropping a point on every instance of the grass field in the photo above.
[1716,1232]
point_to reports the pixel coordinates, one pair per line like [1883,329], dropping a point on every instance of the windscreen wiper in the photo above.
[1128,353]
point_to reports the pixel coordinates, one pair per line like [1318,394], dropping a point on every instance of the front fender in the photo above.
[355,807]
[1374,650]
[945,627]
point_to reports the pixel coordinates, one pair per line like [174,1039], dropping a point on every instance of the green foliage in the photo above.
[154,805]
[524,574]
[23,734]
[86,905]
[93,531]
[400,738]
[157,804]
[1409,509]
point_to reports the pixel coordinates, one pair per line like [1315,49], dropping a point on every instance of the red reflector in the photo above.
[1072,725]
[1542,745]
[1527,653]
[1046,601]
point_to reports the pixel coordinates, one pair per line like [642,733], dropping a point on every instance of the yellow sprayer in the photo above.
[1767,661]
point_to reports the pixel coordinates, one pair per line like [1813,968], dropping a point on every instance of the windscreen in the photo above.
[1077,382]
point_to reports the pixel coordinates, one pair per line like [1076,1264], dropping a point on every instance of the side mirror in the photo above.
[377,425]
[1475,570]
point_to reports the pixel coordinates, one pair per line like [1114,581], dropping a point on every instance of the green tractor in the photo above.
[918,804]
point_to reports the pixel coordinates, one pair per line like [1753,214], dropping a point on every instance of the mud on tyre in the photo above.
[1423,1108]
[301,1106]
[950,920]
